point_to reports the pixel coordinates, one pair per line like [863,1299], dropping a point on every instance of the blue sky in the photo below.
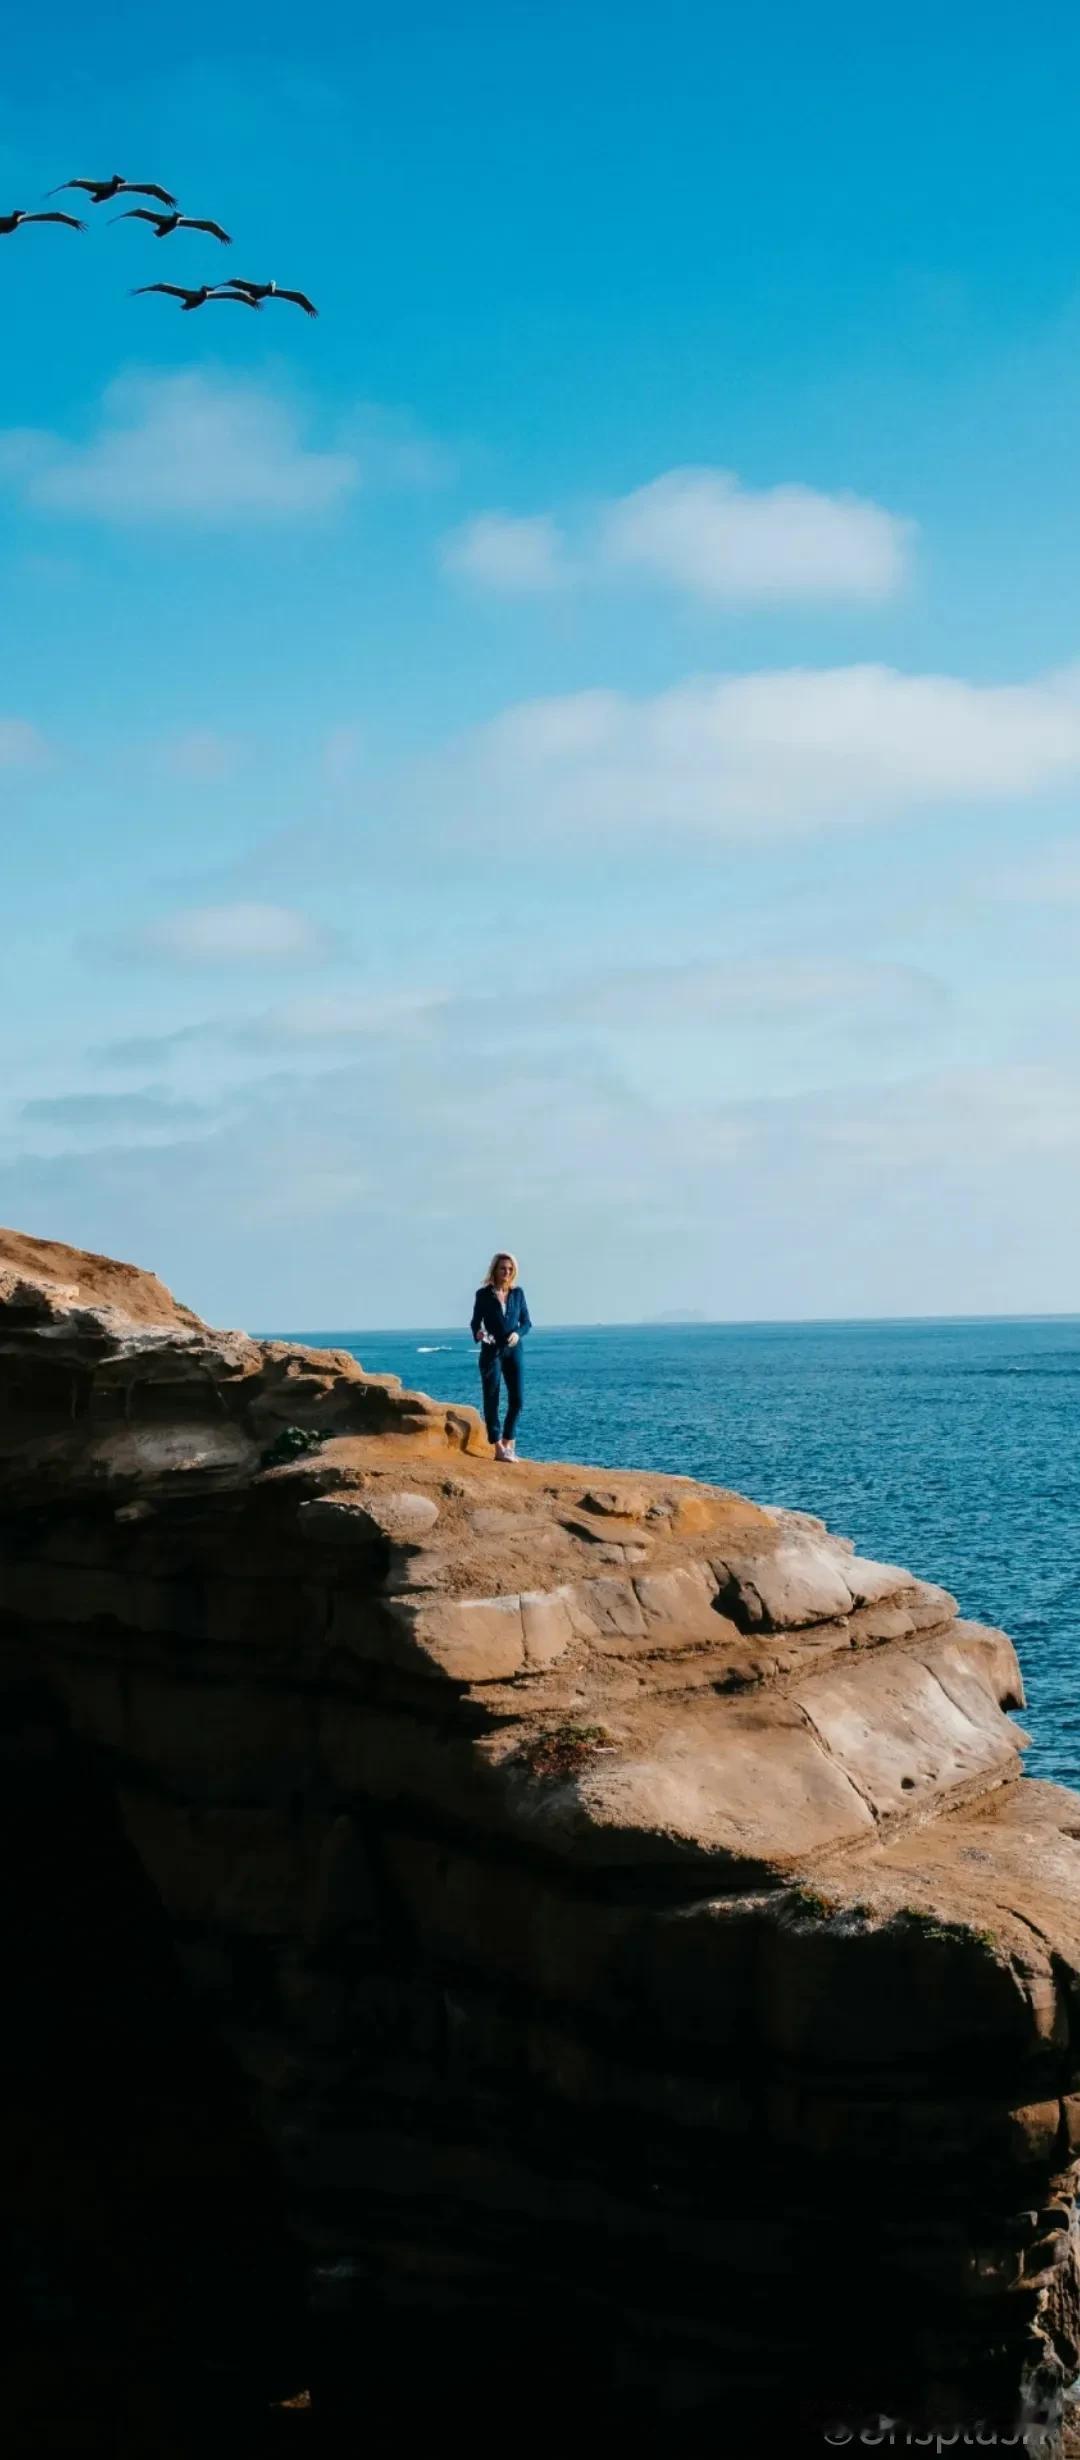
[580,746]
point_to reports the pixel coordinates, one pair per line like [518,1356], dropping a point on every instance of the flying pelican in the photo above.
[11,222]
[164,224]
[101,191]
[196,298]
[258,291]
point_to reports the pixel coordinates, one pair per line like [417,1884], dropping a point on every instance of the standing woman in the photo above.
[500,1321]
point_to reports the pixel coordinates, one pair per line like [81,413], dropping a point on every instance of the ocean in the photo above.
[951,1447]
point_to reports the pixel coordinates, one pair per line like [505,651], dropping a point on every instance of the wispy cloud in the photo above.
[1048,875]
[294,1025]
[500,551]
[341,755]
[751,992]
[202,756]
[21,745]
[974,1118]
[188,447]
[394,450]
[699,530]
[345,1014]
[148,1114]
[815,997]
[154,1050]
[231,935]
[726,757]
[716,1184]
[149,1103]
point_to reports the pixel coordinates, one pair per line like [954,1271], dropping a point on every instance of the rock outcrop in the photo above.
[577,1932]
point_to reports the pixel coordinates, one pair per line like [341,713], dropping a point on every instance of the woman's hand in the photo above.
[512,1341]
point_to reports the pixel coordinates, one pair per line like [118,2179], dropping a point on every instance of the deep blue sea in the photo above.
[952,1447]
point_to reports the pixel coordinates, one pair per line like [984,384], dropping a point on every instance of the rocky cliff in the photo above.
[577,1937]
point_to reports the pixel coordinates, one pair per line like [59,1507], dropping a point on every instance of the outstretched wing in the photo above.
[145,187]
[70,221]
[138,213]
[239,297]
[299,300]
[91,186]
[255,288]
[172,290]
[214,228]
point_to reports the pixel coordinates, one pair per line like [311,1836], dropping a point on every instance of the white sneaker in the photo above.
[509,1450]
[501,1453]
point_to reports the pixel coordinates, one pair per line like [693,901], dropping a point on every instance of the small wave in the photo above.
[1042,1373]
[427,1349]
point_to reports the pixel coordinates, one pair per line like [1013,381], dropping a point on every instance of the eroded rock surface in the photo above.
[621,1903]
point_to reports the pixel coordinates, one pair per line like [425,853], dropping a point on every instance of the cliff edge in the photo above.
[608,1933]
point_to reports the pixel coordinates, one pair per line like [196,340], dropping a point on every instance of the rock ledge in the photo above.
[604,1894]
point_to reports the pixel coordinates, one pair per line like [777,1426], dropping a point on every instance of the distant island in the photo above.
[679,1315]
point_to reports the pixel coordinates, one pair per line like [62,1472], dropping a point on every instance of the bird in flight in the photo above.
[101,191]
[196,298]
[258,291]
[165,224]
[11,222]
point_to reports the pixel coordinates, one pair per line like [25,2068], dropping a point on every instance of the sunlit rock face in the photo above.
[610,1939]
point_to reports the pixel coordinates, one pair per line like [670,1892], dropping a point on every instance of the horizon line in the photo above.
[703,1323]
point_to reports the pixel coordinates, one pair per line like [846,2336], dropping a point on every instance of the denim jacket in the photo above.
[488,1313]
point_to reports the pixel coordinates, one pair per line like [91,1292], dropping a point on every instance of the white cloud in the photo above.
[187,447]
[963,1118]
[954,1191]
[501,551]
[1048,876]
[296,1025]
[344,1015]
[233,935]
[342,754]
[751,991]
[394,451]
[701,530]
[21,746]
[725,757]
[202,756]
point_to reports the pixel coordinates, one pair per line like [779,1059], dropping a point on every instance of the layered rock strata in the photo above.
[609,1938]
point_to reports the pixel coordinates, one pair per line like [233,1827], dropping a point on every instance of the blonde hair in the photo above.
[497,1258]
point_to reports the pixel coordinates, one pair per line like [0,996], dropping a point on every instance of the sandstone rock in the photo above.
[607,1605]
[339,1520]
[682,1597]
[364,1519]
[546,1624]
[59,1275]
[472,1640]
[909,1726]
[492,1522]
[627,1502]
[602,1898]
[401,1513]
[799,1581]
[414,1567]
[757,1792]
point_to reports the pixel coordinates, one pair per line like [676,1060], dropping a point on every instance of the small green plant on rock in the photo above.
[561,1751]
[288,1446]
[810,1902]
[952,1934]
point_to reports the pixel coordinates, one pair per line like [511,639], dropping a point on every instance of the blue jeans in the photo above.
[509,1362]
